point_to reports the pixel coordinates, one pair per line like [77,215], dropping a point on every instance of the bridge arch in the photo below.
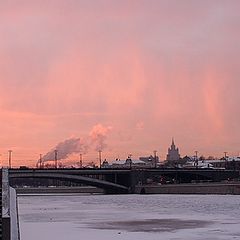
[109,187]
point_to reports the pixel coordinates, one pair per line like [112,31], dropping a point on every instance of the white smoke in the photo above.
[95,141]
[98,136]
[66,148]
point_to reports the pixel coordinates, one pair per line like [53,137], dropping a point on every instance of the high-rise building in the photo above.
[173,153]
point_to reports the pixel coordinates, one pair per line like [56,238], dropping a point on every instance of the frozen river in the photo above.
[127,217]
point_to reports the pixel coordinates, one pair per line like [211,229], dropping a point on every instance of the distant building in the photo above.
[151,160]
[173,153]
[128,163]
[232,163]
[105,164]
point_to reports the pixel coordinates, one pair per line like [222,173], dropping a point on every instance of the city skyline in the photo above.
[142,71]
[67,154]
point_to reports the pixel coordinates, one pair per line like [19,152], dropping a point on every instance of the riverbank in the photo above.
[57,190]
[232,188]
[191,188]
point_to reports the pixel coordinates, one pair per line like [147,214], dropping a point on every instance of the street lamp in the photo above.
[80,160]
[100,158]
[225,158]
[196,158]
[10,158]
[56,158]
[155,158]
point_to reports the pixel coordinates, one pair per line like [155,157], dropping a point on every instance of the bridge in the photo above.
[113,181]
[108,186]
[123,180]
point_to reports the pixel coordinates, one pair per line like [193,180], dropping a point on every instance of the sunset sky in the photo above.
[145,70]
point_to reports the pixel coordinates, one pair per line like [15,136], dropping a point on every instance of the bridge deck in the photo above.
[124,179]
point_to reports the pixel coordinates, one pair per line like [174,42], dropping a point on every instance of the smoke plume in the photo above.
[96,141]
[98,136]
[66,148]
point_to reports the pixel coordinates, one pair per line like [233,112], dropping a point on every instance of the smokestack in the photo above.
[40,161]
[80,160]
[96,140]
[55,158]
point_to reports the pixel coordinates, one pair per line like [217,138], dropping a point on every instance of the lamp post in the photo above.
[40,160]
[196,158]
[155,158]
[225,158]
[100,158]
[130,160]
[10,158]
[56,158]
[80,160]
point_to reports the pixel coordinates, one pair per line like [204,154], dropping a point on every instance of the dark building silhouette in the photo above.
[173,153]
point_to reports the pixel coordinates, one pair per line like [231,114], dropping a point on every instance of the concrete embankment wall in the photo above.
[197,188]
[10,227]
[59,190]
[15,234]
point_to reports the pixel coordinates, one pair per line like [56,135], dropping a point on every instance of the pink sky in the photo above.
[149,70]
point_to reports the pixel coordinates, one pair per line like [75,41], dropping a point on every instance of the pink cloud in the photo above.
[66,66]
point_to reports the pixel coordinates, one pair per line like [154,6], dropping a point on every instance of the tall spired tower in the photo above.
[173,152]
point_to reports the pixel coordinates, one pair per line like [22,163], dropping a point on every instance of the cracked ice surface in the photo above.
[125,217]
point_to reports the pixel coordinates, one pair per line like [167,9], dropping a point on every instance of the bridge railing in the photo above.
[10,226]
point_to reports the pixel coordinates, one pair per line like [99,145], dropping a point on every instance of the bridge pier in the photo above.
[137,177]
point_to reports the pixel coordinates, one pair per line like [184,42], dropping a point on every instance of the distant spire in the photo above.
[173,152]
[173,147]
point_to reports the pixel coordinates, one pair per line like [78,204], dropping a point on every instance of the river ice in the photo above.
[125,217]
